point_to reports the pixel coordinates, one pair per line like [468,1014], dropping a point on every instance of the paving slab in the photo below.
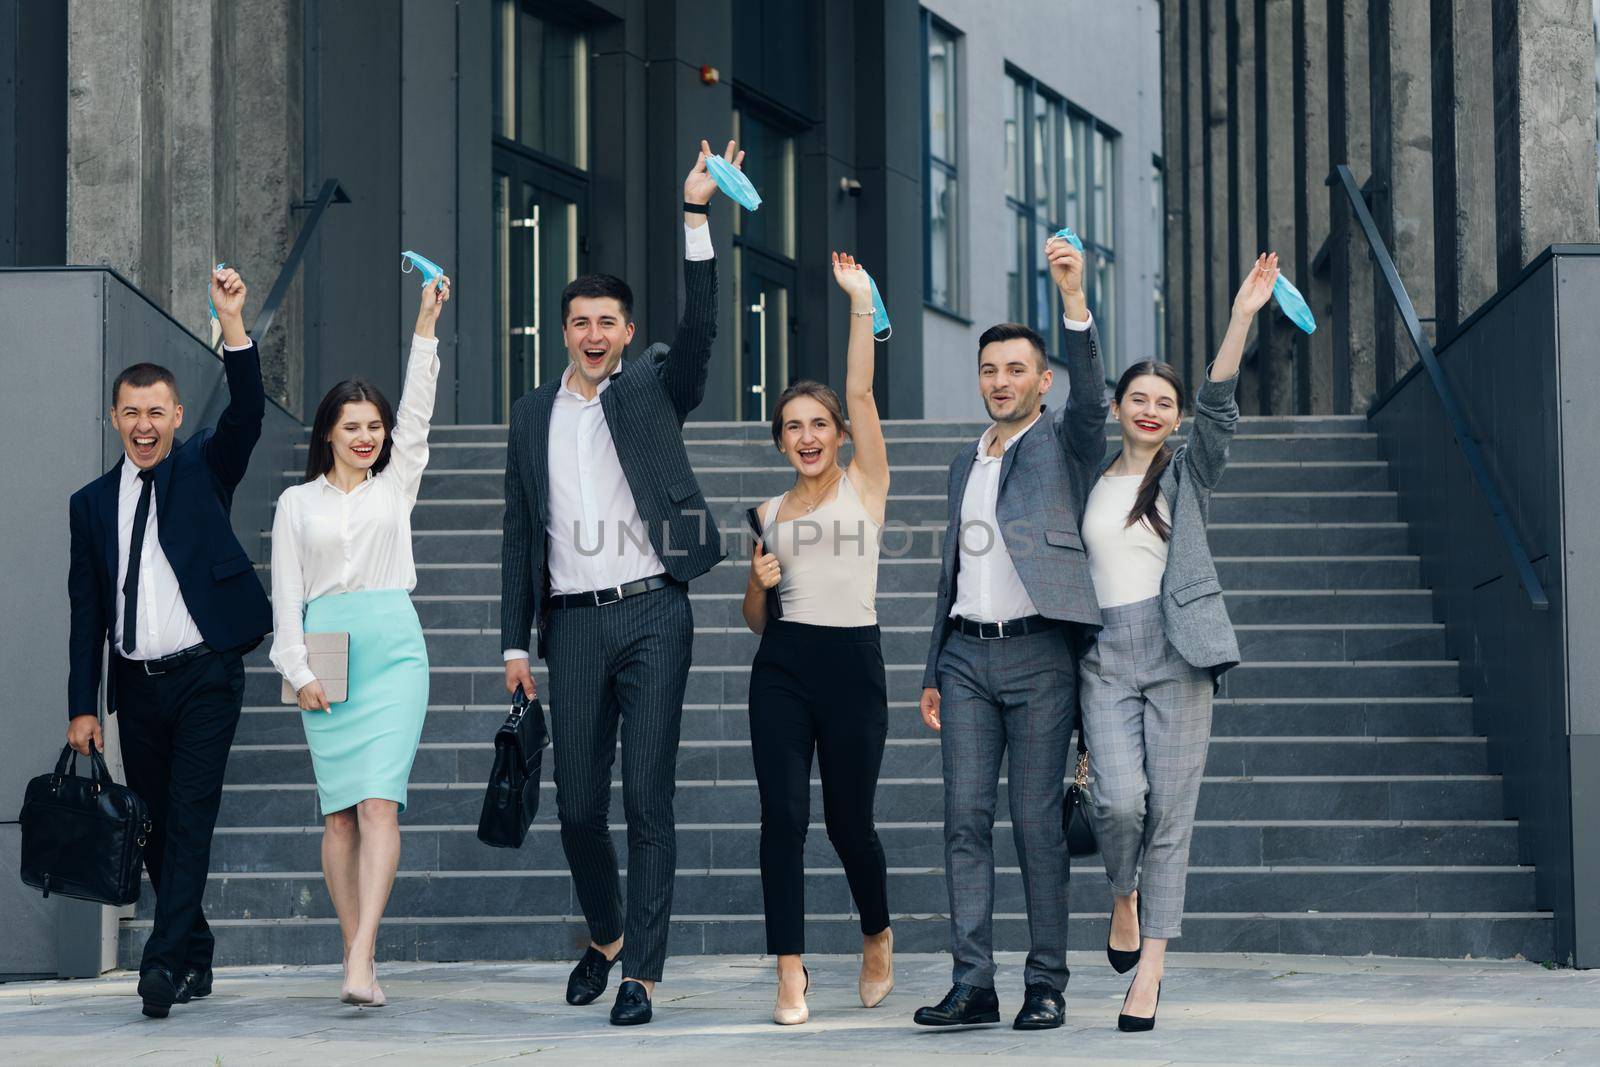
[1216,1009]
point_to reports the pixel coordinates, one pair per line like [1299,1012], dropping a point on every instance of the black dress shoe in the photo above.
[1138,1024]
[194,985]
[964,1005]
[632,1006]
[1122,960]
[1042,1009]
[158,991]
[588,979]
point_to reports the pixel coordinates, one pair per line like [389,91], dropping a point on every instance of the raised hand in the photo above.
[227,293]
[852,278]
[1256,289]
[699,187]
[433,300]
[1066,266]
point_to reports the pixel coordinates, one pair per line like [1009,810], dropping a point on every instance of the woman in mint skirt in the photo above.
[342,563]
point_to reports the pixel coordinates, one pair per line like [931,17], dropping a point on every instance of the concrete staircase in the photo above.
[1347,808]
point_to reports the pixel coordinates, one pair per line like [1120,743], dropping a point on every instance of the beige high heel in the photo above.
[873,992]
[794,1016]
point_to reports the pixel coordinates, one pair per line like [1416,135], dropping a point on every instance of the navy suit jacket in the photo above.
[192,497]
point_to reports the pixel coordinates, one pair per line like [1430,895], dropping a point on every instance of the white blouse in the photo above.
[1126,562]
[327,541]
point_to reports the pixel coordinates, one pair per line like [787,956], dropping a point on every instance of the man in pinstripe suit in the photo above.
[1001,679]
[604,527]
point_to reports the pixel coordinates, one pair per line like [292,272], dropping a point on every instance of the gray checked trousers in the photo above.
[625,663]
[1147,721]
[1013,698]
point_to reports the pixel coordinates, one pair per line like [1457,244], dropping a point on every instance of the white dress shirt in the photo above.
[165,625]
[327,541]
[988,588]
[594,529]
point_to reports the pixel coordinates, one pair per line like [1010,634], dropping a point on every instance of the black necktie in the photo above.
[130,585]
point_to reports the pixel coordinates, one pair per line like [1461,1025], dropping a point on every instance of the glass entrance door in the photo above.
[765,330]
[538,222]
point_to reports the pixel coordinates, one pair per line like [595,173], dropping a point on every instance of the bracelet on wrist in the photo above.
[696,209]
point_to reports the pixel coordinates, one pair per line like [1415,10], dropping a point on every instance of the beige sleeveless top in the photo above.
[829,561]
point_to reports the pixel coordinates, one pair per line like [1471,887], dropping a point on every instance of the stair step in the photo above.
[1477,934]
[1309,717]
[1347,796]
[737,891]
[920,757]
[705,846]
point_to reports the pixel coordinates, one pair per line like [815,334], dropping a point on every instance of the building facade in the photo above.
[521,142]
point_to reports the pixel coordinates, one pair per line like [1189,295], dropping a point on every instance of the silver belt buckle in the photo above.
[999,630]
[615,594]
[145,665]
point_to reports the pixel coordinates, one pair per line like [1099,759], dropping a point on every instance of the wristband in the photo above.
[696,209]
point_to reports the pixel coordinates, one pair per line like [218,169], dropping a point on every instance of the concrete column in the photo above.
[1242,147]
[1463,159]
[1276,219]
[1313,353]
[196,112]
[1544,106]
[1349,141]
[1408,137]
[1173,177]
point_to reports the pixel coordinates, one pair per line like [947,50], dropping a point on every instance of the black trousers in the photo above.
[623,664]
[818,689]
[176,729]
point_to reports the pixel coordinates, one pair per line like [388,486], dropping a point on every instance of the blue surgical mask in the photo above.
[431,271]
[880,314]
[1071,238]
[212,304]
[731,180]
[1294,305]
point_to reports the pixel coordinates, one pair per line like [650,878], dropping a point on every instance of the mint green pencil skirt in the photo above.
[364,747]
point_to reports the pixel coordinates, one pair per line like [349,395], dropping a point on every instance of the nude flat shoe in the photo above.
[873,992]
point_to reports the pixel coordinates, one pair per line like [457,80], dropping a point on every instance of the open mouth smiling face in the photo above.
[596,332]
[146,418]
[1148,410]
[358,436]
[811,438]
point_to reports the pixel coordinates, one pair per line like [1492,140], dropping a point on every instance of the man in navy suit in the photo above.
[158,576]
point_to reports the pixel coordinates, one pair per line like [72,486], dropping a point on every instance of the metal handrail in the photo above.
[330,193]
[1447,398]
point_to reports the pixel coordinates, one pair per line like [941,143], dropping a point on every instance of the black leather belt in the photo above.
[599,598]
[167,664]
[993,631]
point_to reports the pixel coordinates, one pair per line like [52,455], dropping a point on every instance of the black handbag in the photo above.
[1075,822]
[83,837]
[512,799]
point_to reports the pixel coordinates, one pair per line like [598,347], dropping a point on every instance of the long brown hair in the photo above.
[816,391]
[1144,503]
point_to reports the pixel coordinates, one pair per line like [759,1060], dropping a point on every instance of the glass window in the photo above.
[1062,173]
[769,159]
[941,276]
[541,75]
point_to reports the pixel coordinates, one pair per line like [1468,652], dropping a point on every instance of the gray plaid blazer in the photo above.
[1044,483]
[1192,612]
[645,407]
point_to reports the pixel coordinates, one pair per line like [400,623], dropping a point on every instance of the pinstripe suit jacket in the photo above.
[645,407]
[1192,612]
[1044,482]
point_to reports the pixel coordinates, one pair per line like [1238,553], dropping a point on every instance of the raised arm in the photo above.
[239,426]
[1081,426]
[408,454]
[870,467]
[1216,408]
[685,366]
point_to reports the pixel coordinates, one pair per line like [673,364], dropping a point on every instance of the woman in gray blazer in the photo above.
[1146,683]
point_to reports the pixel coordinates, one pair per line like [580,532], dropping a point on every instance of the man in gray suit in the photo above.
[1001,680]
[605,526]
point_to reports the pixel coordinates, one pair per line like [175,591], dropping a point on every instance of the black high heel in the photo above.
[1122,960]
[1138,1024]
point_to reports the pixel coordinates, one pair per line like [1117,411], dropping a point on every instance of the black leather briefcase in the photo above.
[83,837]
[512,799]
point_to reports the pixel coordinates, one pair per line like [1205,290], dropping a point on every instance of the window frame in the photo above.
[949,169]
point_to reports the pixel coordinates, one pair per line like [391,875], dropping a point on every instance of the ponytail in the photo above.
[1145,508]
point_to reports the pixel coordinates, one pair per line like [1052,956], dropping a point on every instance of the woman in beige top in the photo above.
[817,683]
